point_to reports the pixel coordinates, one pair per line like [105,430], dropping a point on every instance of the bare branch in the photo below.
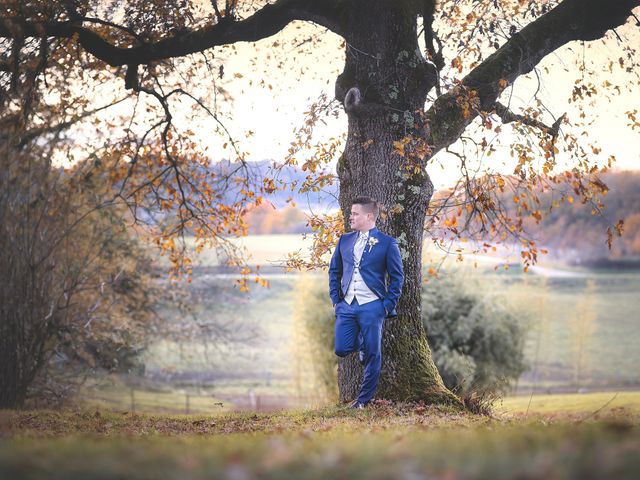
[59,127]
[266,22]
[214,4]
[429,35]
[507,116]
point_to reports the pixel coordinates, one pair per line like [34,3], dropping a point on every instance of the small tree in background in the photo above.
[76,289]
[477,341]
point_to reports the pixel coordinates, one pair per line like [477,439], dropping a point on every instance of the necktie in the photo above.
[358,248]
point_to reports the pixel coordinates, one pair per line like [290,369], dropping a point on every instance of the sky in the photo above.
[274,114]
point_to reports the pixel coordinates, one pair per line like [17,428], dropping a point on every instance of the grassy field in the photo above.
[586,403]
[583,328]
[121,398]
[575,438]
[583,335]
[583,324]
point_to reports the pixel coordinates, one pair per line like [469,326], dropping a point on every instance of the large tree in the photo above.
[401,112]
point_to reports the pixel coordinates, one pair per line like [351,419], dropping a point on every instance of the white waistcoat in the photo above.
[357,288]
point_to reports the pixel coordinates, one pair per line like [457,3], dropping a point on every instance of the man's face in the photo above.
[359,219]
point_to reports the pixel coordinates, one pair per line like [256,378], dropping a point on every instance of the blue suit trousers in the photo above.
[360,327]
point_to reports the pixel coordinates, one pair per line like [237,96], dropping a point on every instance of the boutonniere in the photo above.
[372,241]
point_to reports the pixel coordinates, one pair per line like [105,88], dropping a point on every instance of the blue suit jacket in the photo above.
[377,261]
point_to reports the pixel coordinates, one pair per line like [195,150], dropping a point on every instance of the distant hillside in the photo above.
[266,219]
[572,228]
[573,233]
[290,175]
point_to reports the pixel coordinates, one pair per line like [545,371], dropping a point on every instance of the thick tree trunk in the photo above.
[385,82]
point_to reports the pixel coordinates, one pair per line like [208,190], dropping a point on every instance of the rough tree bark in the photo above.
[383,86]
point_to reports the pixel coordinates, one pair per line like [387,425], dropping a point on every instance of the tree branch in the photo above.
[33,134]
[569,21]
[507,116]
[266,22]
[437,57]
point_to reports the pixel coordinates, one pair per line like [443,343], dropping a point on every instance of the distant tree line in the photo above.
[572,227]
[266,219]
[577,227]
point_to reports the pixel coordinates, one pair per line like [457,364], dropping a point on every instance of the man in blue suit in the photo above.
[361,296]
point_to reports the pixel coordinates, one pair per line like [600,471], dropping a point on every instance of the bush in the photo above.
[477,342]
[76,292]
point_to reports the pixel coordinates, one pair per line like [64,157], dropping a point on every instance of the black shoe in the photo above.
[361,357]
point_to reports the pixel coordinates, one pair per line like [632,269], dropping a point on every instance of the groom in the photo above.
[361,297]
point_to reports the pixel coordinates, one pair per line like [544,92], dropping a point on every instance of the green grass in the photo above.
[572,403]
[47,423]
[404,441]
[121,398]
[256,340]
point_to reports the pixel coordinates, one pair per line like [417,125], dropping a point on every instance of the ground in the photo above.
[579,436]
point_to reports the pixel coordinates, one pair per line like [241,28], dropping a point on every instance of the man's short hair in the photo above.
[369,205]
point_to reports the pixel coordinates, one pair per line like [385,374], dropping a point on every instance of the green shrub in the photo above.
[476,340]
